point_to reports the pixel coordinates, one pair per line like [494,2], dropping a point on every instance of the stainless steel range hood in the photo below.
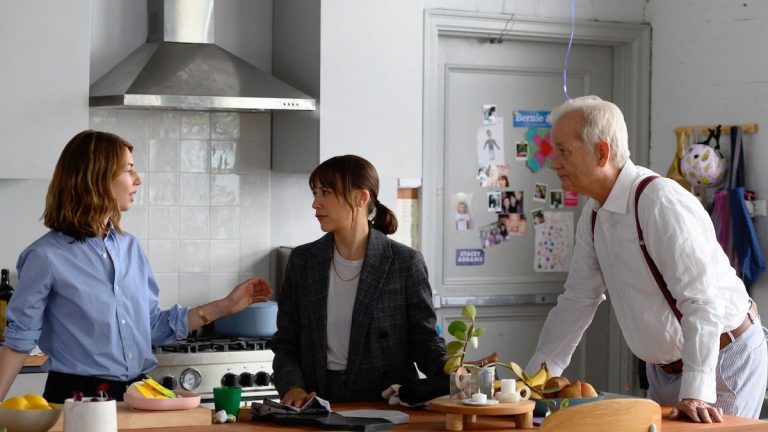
[181,68]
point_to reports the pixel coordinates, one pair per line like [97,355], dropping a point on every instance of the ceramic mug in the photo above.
[87,416]
[509,393]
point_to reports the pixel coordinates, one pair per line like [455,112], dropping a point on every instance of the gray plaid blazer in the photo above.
[393,322]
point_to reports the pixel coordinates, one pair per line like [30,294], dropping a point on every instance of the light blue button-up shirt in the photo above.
[91,306]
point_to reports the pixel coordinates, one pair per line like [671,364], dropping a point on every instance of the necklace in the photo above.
[333,264]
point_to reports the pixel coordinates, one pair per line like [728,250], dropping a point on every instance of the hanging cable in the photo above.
[568,51]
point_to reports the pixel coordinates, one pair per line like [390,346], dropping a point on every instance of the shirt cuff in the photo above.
[179,320]
[698,385]
[21,341]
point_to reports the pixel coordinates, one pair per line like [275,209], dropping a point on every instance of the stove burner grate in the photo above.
[199,345]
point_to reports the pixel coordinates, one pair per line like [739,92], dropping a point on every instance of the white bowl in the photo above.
[29,420]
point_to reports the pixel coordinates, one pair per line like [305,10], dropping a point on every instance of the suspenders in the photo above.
[651,265]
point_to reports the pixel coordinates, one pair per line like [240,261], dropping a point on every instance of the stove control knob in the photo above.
[229,380]
[168,382]
[246,379]
[262,379]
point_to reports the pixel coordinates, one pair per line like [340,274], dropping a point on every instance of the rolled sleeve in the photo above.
[25,310]
[167,325]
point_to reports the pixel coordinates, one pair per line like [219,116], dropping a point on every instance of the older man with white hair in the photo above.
[652,246]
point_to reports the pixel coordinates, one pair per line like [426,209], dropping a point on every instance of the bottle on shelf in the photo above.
[6,291]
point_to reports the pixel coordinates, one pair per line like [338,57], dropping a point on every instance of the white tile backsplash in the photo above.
[194,156]
[203,208]
[195,189]
[194,222]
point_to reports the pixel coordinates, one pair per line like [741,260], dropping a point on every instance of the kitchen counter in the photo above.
[428,420]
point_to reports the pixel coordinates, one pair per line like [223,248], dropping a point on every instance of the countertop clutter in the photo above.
[421,420]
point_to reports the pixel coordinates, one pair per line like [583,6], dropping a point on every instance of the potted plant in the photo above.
[466,333]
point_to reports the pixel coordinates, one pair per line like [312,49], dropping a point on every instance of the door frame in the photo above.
[631,45]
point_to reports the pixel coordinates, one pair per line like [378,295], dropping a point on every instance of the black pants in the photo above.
[61,386]
[335,382]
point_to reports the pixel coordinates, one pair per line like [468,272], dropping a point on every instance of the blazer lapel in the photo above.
[317,302]
[378,256]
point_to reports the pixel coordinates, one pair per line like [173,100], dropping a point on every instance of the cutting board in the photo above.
[136,419]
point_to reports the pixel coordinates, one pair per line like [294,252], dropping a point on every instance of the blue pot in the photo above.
[257,320]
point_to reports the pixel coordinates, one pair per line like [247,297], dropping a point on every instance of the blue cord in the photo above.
[568,51]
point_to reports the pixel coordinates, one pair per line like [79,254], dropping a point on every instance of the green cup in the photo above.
[227,399]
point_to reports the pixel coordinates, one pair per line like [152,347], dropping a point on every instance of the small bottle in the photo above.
[6,291]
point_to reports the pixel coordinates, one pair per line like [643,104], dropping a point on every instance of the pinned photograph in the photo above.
[538,217]
[555,198]
[515,224]
[494,202]
[570,198]
[540,192]
[490,235]
[521,148]
[462,217]
[493,176]
[512,202]
[490,144]
[489,114]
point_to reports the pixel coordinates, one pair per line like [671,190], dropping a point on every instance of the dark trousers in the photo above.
[61,386]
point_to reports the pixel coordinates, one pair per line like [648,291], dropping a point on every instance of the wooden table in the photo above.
[421,420]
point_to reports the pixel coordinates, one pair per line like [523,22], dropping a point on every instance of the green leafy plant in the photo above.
[466,332]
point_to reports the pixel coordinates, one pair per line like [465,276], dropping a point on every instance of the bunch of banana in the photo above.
[534,382]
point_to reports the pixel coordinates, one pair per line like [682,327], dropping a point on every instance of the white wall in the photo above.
[630,11]
[709,67]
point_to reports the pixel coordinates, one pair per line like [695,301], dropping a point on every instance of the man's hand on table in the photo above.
[697,410]
[297,397]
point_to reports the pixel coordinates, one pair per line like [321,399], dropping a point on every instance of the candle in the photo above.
[479,398]
[507,385]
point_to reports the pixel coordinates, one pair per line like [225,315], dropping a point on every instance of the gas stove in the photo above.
[200,364]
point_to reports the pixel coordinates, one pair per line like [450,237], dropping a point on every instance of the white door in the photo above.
[520,74]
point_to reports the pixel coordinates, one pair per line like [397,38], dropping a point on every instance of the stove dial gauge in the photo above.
[229,380]
[190,379]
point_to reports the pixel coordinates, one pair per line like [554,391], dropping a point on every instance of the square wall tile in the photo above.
[195,156]
[163,255]
[164,124]
[223,156]
[225,125]
[168,286]
[140,198]
[193,222]
[164,155]
[163,223]
[195,125]
[133,126]
[225,189]
[254,190]
[255,144]
[225,222]
[195,189]
[254,259]
[254,224]
[194,256]
[194,289]
[163,189]
[134,221]
[102,119]
[225,256]
[222,284]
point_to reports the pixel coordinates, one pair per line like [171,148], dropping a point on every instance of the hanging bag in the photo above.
[747,254]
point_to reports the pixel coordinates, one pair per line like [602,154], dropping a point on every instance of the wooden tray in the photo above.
[137,419]
[457,412]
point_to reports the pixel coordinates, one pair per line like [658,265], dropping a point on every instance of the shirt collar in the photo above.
[618,199]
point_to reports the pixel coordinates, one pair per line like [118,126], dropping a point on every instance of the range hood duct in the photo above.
[181,68]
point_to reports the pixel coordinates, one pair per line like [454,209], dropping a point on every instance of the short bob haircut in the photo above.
[80,199]
[343,175]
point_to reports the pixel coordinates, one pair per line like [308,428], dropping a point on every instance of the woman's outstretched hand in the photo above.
[253,290]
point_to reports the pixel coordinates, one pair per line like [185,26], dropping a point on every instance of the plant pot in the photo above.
[86,416]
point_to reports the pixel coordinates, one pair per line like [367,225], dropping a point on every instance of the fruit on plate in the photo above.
[571,391]
[553,386]
[587,390]
[29,401]
[150,389]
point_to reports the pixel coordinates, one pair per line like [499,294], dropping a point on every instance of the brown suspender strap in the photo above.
[651,265]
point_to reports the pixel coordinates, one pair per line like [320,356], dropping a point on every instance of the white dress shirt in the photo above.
[681,241]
